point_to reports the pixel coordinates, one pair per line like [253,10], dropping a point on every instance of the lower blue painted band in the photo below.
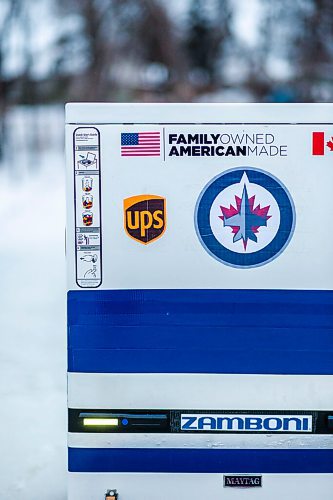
[200,461]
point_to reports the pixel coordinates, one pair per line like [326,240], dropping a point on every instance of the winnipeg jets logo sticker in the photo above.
[245,217]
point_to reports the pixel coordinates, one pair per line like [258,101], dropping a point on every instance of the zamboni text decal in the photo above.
[247,423]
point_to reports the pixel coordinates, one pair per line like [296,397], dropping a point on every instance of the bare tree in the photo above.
[114,32]
[10,12]
[207,37]
[93,46]
[312,49]
[301,33]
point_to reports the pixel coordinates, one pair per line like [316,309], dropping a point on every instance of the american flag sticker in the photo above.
[141,144]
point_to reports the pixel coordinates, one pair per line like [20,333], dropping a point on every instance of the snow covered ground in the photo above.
[33,335]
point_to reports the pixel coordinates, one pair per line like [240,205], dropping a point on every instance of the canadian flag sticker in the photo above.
[320,145]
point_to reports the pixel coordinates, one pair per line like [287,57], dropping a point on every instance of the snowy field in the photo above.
[33,334]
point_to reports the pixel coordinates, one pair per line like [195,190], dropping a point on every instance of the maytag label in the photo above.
[242,481]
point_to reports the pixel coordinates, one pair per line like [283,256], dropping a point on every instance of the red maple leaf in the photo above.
[330,144]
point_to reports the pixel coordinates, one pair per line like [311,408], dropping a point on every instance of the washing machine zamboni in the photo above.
[200,302]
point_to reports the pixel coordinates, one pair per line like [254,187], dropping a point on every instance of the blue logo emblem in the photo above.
[245,217]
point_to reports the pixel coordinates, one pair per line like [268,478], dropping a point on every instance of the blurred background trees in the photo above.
[59,50]
[53,51]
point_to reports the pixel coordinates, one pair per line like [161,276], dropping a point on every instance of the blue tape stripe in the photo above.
[231,308]
[199,461]
[199,361]
[201,331]
[197,337]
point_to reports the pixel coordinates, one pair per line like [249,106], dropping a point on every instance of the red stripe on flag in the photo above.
[318,143]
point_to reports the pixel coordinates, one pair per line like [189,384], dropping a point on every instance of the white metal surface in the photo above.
[198,487]
[210,441]
[99,113]
[178,257]
[200,391]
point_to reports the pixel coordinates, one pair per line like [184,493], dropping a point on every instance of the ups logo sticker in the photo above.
[145,217]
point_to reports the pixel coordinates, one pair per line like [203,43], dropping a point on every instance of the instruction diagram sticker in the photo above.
[245,217]
[87,187]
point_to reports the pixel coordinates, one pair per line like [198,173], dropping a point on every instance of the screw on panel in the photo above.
[111,495]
